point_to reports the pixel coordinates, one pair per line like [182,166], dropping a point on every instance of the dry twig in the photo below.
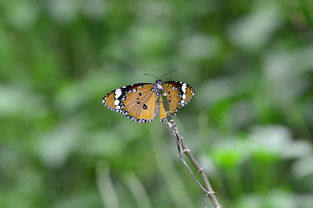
[183,149]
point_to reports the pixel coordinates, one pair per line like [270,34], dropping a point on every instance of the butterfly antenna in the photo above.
[167,73]
[151,75]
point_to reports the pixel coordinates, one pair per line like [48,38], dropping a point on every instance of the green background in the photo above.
[250,123]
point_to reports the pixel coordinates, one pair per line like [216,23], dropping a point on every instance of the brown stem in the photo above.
[183,148]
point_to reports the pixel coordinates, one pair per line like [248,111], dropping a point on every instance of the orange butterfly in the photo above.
[142,102]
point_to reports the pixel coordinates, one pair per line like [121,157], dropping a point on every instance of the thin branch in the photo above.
[181,151]
[169,173]
[184,149]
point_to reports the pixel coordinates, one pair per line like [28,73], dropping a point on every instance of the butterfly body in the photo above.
[142,102]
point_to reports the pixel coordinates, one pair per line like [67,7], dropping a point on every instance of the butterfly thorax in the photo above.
[157,87]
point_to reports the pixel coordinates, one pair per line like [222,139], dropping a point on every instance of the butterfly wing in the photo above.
[178,95]
[137,102]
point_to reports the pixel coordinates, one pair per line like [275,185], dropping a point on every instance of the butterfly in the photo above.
[142,102]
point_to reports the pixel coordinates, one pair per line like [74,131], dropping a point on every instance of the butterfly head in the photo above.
[158,84]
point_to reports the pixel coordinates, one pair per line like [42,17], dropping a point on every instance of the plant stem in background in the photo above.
[106,188]
[183,149]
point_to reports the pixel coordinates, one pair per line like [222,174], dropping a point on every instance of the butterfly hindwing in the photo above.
[178,95]
[136,101]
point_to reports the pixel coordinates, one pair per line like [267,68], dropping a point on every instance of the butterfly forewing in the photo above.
[136,101]
[178,95]
[173,98]
[140,103]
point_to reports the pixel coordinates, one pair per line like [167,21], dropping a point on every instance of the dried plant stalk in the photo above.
[183,149]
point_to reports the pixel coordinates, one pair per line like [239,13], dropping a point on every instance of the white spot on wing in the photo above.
[183,88]
[118,93]
[116,102]
[184,96]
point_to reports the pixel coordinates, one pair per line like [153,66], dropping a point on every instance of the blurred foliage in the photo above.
[250,122]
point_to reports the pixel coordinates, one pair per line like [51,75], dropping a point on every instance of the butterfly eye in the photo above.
[144,106]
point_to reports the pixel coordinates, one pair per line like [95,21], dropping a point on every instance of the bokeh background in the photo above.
[250,123]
